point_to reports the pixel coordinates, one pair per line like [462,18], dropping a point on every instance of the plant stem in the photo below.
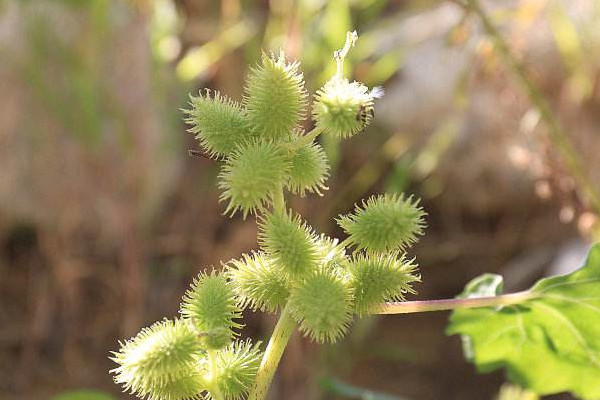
[286,325]
[214,389]
[408,307]
[279,339]
[306,139]
[279,200]
[557,134]
[281,334]
[340,54]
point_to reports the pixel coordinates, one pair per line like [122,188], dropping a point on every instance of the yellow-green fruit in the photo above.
[258,282]
[332,256]
[376,279]
[211,307]
[275,97]
[309,170]
[384,224]
[184,388]
[219,123]
[161,362]
[290,243]
[321,304]
[236,369]
[342,108]
[251,175]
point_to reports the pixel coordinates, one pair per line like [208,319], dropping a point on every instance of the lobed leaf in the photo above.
[549,343]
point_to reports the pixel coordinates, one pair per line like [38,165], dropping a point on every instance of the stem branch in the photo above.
[340,54]
[214,389]
[279,200]
[279,339]
[409,307]
[306,139]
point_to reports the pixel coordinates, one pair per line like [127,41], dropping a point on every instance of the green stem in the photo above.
[306,139]
[557,134]
[279,339]
[279,200]
[409,307]
[340,54]
[213,384]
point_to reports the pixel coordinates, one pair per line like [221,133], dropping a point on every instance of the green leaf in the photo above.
[83,395]
[549,343]
[483,286]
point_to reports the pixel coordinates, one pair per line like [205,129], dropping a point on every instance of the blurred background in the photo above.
[105,219]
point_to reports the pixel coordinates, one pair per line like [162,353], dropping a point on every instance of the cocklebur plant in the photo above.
[315,281]
[319,284]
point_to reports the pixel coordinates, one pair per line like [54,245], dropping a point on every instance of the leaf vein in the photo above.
[571,327]
[583,281]
[578,301]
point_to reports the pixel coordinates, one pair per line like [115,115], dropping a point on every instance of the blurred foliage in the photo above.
[338,387]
